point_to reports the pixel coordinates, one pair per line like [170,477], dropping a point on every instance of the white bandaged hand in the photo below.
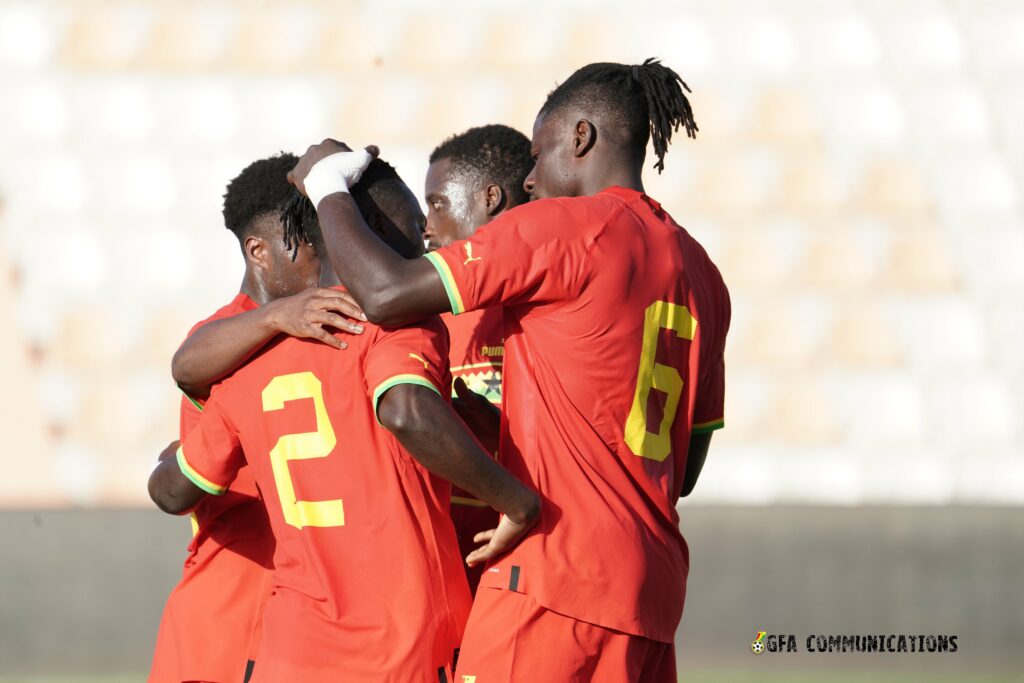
[335,173]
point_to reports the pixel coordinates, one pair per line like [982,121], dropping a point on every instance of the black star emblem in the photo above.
[493,383]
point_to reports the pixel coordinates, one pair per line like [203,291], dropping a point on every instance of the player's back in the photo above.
[226,574]
[601,388]
[368,580]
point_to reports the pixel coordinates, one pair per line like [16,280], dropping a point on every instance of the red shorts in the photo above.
[469,520]
[511,638]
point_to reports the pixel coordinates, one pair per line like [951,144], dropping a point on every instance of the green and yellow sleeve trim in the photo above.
[197,404]
[396,380]
[448,280]
[710,426]
[196,478]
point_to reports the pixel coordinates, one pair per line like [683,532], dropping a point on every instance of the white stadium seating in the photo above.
[857,176]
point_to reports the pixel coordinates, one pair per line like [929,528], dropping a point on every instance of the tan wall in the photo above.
[82,590]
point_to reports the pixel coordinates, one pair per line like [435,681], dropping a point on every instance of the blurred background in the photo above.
[857,177]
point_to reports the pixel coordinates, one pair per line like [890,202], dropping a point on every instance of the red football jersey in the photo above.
[475,354]
[226,577]
[615,324]
[368,583]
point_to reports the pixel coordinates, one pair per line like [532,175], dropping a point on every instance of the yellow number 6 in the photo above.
[659,315]
[318,444]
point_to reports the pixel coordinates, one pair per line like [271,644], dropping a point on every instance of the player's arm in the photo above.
[206,463]
[707,418]
[163,487]
[220,347]
[390,289]
[431,431]
[169,451]
[171,490]
[696,454]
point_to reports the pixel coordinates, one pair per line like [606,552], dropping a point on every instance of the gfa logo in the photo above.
[773,643]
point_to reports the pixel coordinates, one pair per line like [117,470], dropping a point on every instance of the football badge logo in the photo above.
[757,647]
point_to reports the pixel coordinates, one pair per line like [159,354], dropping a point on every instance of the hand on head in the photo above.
[330,167]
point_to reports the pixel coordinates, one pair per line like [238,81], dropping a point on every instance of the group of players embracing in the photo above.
[325,450]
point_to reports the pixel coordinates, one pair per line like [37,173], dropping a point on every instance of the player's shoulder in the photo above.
[429,327]
[564,218]
[703,271]
[240,304]
[262,365]
[595,206]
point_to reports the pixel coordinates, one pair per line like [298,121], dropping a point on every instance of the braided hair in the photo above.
[379,183]
[647,100]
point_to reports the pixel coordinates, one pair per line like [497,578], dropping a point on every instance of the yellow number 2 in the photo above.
[318,444]
[653,375]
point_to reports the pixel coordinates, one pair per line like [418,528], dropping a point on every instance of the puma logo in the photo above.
[469,254]
[417,358]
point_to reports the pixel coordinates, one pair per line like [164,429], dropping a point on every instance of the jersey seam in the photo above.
[593,240]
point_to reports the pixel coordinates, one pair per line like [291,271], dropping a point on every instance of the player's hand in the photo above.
[310,314]
[499,540]
[170,451]
[479,414]
[315,153]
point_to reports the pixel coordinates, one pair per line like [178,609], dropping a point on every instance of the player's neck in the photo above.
[254,288]
[621,176]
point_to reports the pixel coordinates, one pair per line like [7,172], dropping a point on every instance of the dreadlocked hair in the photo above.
[492,154]
[261,188]
[380,183]
[300,224]
[647,100]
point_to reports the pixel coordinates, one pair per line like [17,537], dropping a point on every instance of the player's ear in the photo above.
[495,199]
[376,222]
[584,137]
[256,251]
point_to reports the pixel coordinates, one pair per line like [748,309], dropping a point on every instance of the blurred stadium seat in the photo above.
[857,177]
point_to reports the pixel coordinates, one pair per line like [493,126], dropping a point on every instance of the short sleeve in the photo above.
[211,454]
[189,414]
[709,407]
[415,354]
[534,253]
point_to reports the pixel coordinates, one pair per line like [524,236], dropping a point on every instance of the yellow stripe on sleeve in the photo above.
[469,502]
[710,426]
[196,478]
[448,280]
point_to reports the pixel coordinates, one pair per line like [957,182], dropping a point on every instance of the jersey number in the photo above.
[653,375]
[318,444]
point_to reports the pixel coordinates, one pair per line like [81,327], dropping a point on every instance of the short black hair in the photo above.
[379,184]
[261,188]
[494,153]
[647,100]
